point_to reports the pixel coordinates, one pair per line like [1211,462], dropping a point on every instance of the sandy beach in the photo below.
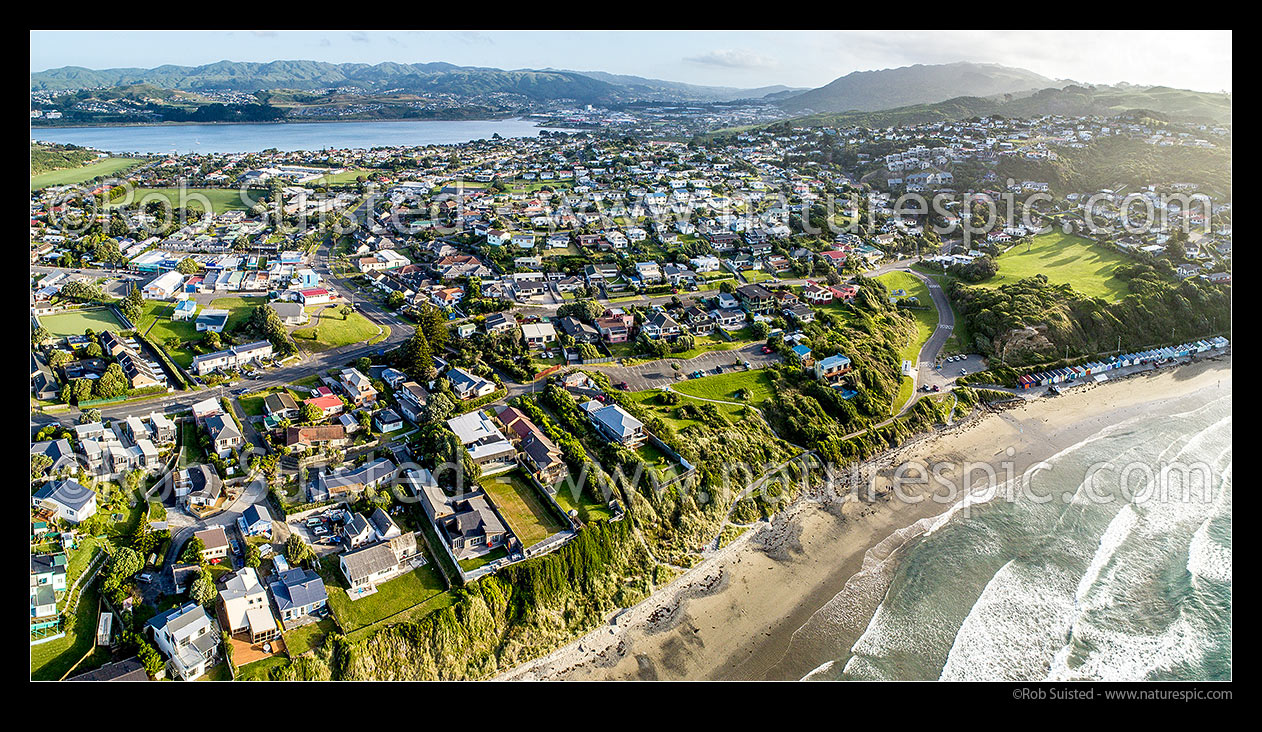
[745,611]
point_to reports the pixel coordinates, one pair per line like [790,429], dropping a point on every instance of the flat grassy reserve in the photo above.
[1064,258]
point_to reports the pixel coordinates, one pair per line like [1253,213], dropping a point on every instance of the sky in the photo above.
[1199,60]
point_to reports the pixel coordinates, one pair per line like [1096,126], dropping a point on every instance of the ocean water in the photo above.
[1112,579]
[287,137]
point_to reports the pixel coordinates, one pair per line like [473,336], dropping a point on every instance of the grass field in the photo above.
[221,199]
[334,331]
[239,307]
[1064,258]
[157,326]
[723,387]
[71,176]
[344,178]
[259,670]
[519,503]
[74,322]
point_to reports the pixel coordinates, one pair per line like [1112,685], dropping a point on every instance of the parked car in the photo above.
[935,388]
[695,375]
[624,386]
[766,349]
[963,372]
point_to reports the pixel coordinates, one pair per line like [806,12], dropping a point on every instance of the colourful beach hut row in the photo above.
[1071,373]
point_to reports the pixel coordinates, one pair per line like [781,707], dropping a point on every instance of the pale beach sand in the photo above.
[737,614]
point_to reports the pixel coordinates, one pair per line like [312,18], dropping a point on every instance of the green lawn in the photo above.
[755,384]
[74,322]
[53,659]
[71,176]
[239,308]
[221,199]
[259,670]
[520,504]
[157,326]
[468,565]
[926,315]
[926,322]
[391,598]
[307,637]
[345,177]
[1064,258]
[333,330]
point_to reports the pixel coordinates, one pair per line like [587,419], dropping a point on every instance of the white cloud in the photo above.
[735,59]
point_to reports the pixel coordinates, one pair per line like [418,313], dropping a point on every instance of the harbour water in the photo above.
[287,136]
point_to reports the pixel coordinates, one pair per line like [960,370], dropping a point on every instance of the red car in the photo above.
[766,349]
[623,386]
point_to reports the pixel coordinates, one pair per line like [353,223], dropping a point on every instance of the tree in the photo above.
[192,553]
[133,306]
[416,359]
[364,364]
[113,383]
[395,300]
[439,407]
[188,266]
[253,557]
[203,591]
[40,334]
[150,657]
[125,563]
[39,463]
[212,340]
[310,413]
[297,551]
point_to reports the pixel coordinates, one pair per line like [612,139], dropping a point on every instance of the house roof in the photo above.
[69,493]
[298,588]
[369,561]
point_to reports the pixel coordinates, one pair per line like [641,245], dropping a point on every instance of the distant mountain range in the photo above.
[866,91]
[862,90]
[588,87]
[873,98]
[1157,102]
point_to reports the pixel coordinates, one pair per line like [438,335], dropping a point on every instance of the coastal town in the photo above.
[287,404]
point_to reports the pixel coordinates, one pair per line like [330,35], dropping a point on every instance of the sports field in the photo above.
[74,322]
[221,199]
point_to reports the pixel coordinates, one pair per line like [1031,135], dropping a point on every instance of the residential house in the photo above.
[189,637]
[256,520]
[615,423]
[224,435]
[299,594]
[469,386]
[68,500]
[198,485]
[538,335]
[539,455]
[832,368]
[214,542]
[244,608]
[487,446]
[357,387]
